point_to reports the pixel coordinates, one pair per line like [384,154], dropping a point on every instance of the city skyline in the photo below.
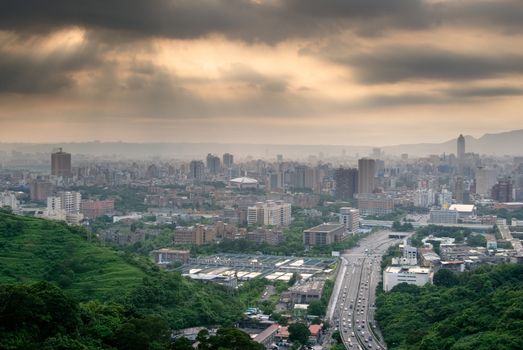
[347,73]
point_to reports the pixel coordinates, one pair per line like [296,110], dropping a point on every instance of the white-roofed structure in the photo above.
[464,210]
[243,182]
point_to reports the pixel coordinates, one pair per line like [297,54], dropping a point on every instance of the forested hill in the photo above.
[34,250]
[480,310]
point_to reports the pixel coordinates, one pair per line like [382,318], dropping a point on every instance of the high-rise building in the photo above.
[346,182]
[40,190]
[503,191]
[196,169]
[61,163]
[424,198]
[459,190]
[8,199]
[485,180]
[70,201]
[273,213]
[213,164]
[461,147]
[228,160]
[303,177]
[366,173]
[350,217]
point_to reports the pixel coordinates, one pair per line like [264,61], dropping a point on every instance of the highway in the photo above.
[352,304]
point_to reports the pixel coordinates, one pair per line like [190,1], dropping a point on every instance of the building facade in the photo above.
[61,163]
[350,218]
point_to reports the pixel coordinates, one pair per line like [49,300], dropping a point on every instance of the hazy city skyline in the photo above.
[286,72]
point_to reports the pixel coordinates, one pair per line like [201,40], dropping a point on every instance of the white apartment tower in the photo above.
[269,213]
[350,217]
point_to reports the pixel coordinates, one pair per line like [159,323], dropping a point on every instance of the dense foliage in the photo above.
[477,310]
[33,250]
[227,338]
[42,316]
[36,249]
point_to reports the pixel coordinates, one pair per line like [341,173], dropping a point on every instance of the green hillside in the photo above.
[33,249]
[478,310]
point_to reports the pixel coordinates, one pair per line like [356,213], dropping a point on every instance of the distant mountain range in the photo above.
[505,143]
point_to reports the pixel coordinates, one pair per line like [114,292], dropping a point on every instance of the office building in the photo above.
[485,180]
[71,201]
[346,183]
[64,207]
[503,191]
[228,160]
[40,190]
[303,177]
[8,199]
[465,211]
[378,205]
[323,234]
[196,235]
[213,164]
[424,198]
[459,190]
[443,216]
[269,213]
[366,173]
[350,218]
[92,209]
[61,163]
[196,170]
[394,275]
[264,235]
[461,147]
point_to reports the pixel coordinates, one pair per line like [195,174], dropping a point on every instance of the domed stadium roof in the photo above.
[244,181]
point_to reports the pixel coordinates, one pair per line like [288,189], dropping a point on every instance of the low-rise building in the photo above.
[375,205]
[266,338]
[166,256]
[394,275]
[263,235]
[307,292]
[443,216]
[323,234]
[92,209]
[198,235]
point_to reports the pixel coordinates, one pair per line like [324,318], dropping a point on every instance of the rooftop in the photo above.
[244,180]
[325,228]
[407,269]
[467,208]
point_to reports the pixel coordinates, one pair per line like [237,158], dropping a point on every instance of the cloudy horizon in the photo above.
[354,72]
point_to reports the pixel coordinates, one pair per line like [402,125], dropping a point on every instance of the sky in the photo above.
[347,72]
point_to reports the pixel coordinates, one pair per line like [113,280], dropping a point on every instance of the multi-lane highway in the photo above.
[353,301]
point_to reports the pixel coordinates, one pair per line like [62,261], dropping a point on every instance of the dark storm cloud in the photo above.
[396,64]
[46,73]
[484,92]
[271,21]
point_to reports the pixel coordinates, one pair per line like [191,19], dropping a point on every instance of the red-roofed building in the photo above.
[315,330]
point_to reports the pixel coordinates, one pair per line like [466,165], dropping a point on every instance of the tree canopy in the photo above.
[482,309]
